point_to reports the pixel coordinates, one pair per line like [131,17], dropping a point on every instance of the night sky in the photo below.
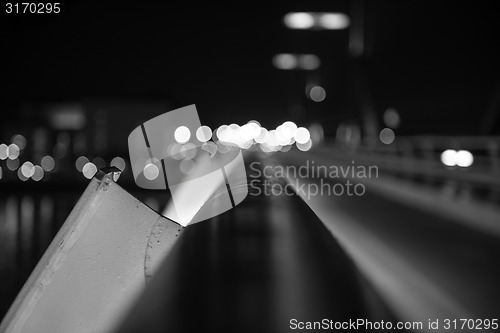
[437,64]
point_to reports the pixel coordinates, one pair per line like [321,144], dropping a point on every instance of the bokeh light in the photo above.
[13,151]
[291,125]
[250,136]
[4,151]
[304,146]
[204,133]
[464,158]
[449,157]
[391,118]
[285,61]
[80,163]
[119,163]
[28,169]
[175,151]
[309,62]
[286,148]
[254,122]
[48,163]
[221,147]
[317,94]
[151,171]
[182,134]
[210,147]
[89,170]
[317,133]
[19,140]
[248,132]
[284,134]
[387,136]
[221,130]
[38,173]
[188,151]
[272,139]
[21,175]
[302,135]
[187,166]
[13,164]
[299,20]
[333,21]
[263,135]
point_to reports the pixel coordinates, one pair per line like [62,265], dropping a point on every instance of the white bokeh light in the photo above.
[302,135]
[204,133]
[221,130]
[391,118]
[299,20]
[309,62]
[387,136]
[21,175]
[210,147]
[317,94]
[250,136]
[80,163]
[221,147]
[449,157]
[263,135]
[89,170]
[247,132]
[285,61]
[182,134]
[188,151]
[151,171]
[187,166]
[4,151]
[27,169]
[291,125]
[119,163]
[272,139]
[464,158]
[286,148]
[48,163]
[284,134]
[13,151]
[19,140]
[255,129]
[12,164]
[333,21]
[38,173]
[174,151]
[254,122]
[304,146]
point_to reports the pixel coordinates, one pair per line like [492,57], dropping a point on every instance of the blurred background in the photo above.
[412,87]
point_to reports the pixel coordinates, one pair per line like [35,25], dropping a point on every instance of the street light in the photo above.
[333,21]
[309,20]
[288,61]
[299,20]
